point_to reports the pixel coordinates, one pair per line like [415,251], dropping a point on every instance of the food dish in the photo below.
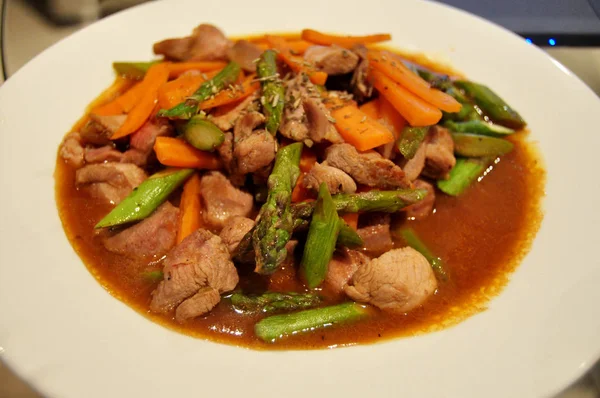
[535,306]
[317,171]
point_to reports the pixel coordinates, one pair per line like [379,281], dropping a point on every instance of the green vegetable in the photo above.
[153,276]
[274,301]
[274,327]
[410,140]
[202,134]
[472,145]
[275,225]
[464,172]
[348,236]
[322,236]
[273,91]
[491,104]
[189,108]
[478,127]
[411,239]
[467,111]
[133,70]
[144,199]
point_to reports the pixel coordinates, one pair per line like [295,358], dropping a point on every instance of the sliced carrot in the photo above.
[351,219]
[343,41]
[412,108]
[372,109]
[190,209]
[300,192]
[248,86]
[176,91]
[359,129]
[299,47]
[307,159]
[297,64]
[177,153]
[124,103]
[390,117]
[156,76]
[176,69]
[398,72]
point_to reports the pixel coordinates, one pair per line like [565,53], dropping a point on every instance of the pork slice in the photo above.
[413,167]
[111,182]
[100,128]
[71,150]
[244,53]
[368,168]
[145,137]
[294,124]
[221,200]
[320,121]
[246,124]
[361,87]
[225,151]
[255,152]
[227,120]
[333,60]
[199,304]
[376,234]
[106,153]
[234,230]
[337,181]
[398,281]
[439,156]
[341,268]
[424,208]
[206,43]
[200,260]
[151,237]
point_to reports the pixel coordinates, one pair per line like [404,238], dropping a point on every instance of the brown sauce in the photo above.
[482,236]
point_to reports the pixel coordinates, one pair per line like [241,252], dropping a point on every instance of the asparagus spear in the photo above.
[189,108]
[464,172]
[275,225]
[491,104]
[153,276]
[133,70]
[274,301]
[410,140]
[322,236]
[472,145]
[202,134]
[144,199]
[273,91]
[478,127]
[348,236]
[274,327]
[411,239]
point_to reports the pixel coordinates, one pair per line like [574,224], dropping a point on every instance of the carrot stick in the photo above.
[176,69]
[416,111]
[248,86]
[297,64]
[351,219]
[307,159]
[390,117]
[156,76]
[298,47]
[360,130]
[190,209]
[398,72]
[343,41]
[176,91]
[372,109]
[122,104]
[177,153]
[300,193]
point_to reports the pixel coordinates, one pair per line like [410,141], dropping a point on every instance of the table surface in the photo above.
[20,47]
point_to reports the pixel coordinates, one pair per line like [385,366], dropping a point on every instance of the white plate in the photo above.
[63,333]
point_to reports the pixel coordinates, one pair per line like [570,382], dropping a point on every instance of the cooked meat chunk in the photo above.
[151,237]
[246,124]
[361,87]
[221,200]
[106,153]
[234,230]
[201,260]
[206,43]
[100,128]
[199,304]
[413,167]
[337,181]
[367,168]
[244,53]
[305,117]
[142,141]
[439,156]
[225,121]
[376,234]
[341,268]
[71,150]
[398,281]
[255,152]
[225,151]
[333,60]
[424,208]
[111,182]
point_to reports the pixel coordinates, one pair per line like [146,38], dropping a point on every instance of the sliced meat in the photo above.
[206,43]
[71,150]
[226,152]
[246,124]
[244,53]
[201,260]
[424,208]
[337,181]
[227,120]
[333,60]
[255,152]
[100,128]
[439,156]
[398,281]
[152,237]
[341,268]
[142,141]
[111,182]
[368,168]
[199,304]
[222,200]
[376,234]
[320,121]
[106,153]
[413,167]
[234,230]
[361,87]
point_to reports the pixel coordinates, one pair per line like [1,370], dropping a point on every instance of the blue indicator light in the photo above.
[528,40]
[552,42]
